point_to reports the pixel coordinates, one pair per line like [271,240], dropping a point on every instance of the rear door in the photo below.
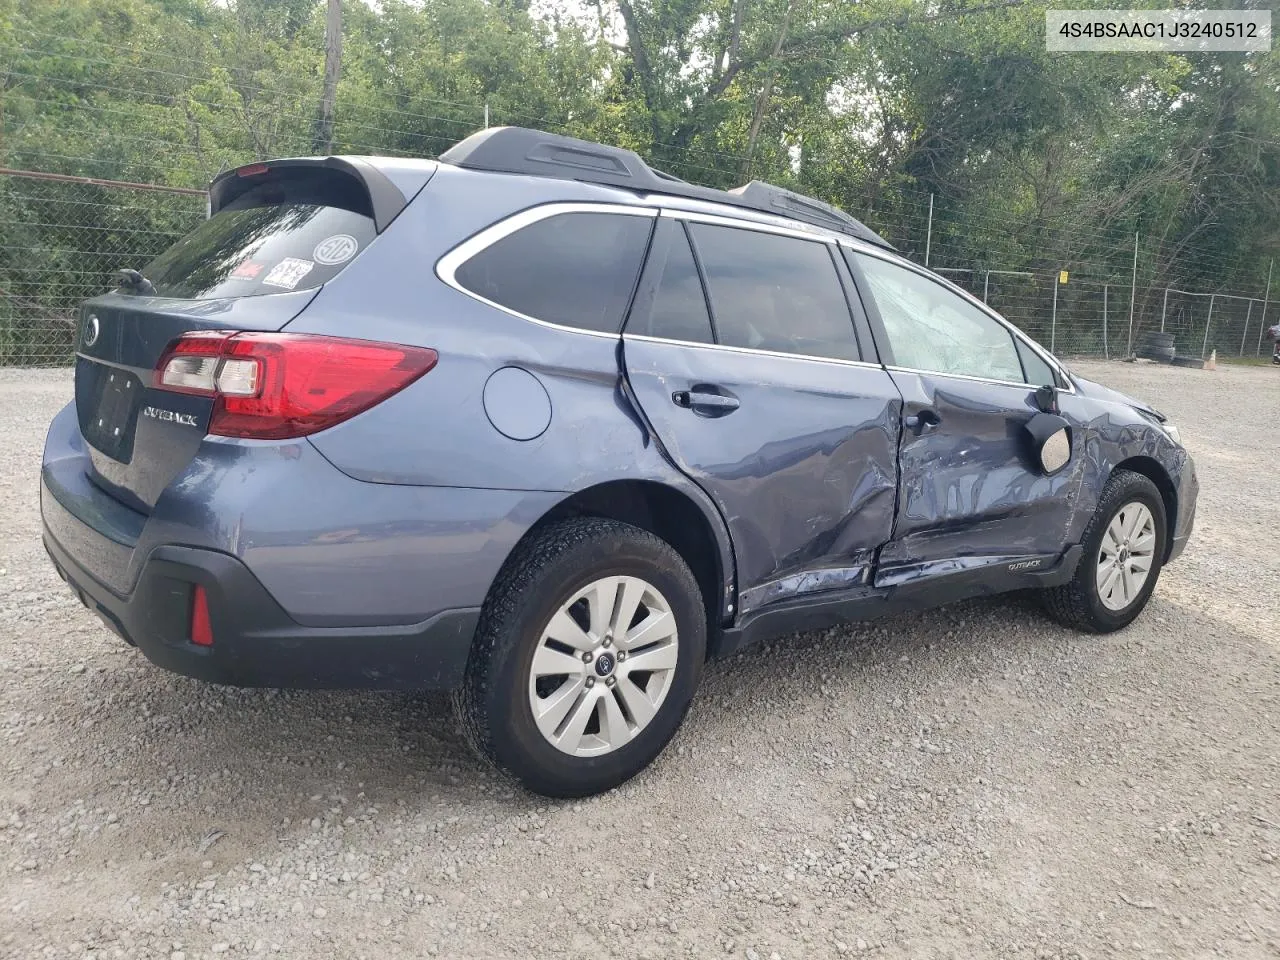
[279,235]
[971,495]
[760,388]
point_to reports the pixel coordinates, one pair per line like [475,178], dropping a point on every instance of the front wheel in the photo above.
[586,657]
[1124,548]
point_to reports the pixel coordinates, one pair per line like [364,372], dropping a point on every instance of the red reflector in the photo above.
[276,386]
[252,170]
[201,628]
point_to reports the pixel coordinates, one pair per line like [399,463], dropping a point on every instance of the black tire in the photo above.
[1161,354]
[1077,603]
[1194,363]
[1155,338]
[542,574]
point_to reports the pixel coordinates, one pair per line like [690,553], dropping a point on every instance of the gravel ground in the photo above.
[970,782]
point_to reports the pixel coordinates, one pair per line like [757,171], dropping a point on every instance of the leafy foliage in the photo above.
[1034,160]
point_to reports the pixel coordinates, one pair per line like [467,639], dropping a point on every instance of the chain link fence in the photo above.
[1083,317]
[64,238]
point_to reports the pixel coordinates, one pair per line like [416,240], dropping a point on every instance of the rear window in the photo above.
[277,236]
[574,269]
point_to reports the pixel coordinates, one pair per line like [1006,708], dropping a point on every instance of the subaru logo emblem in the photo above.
[604,664]
[91,330]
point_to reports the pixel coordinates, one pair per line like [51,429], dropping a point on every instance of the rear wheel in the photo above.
[586,657]
[1124,547]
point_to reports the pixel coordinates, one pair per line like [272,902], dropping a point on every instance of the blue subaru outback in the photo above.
[541,425]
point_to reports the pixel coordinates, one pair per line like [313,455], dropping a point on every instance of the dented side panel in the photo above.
[973,497]
[804,470]
[970,488]
[1115,433]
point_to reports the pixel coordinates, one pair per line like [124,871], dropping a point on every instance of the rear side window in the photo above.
[574,269]
[678,310]
[775,293]
[282,234]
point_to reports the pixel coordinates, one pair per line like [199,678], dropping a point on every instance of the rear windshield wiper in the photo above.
[135,281]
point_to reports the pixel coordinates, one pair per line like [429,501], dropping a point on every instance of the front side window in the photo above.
[932,329]
[771,292]
[573,269]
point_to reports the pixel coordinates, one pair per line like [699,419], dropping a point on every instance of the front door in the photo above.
[756,387]
[972,495]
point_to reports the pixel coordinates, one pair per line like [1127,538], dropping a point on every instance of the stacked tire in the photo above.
[1156,345]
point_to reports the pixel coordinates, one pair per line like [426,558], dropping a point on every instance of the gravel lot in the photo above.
[969,782]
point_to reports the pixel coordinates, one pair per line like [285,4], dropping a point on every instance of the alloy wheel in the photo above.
[603,666]
[1125,555]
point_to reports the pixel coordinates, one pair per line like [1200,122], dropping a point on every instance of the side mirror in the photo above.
[1050,441]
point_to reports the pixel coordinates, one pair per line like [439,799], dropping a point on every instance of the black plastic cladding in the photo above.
[536,153]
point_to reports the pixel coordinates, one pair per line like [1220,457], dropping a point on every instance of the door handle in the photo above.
[922,422]
[705,402]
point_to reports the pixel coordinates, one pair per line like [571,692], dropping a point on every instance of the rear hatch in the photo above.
[277,232]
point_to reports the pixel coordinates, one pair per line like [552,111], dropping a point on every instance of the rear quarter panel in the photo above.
[436,432]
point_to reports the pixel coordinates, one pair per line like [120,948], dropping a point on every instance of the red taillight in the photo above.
[201,628]
[274,386]
[252,170]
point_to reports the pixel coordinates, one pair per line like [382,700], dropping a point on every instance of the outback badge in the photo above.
[169,416]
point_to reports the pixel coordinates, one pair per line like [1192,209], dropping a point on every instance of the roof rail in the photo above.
[537,153]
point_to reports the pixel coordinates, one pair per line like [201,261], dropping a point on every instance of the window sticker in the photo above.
[287,273]
[248,270]
[339,248]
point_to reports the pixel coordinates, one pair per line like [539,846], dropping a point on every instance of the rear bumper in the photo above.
[314,579]
[256,643]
